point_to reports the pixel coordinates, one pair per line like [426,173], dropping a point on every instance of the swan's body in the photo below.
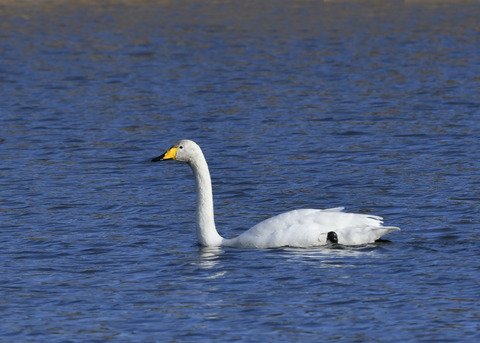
[297,228]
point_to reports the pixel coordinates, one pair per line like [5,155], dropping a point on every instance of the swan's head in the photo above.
[183,151]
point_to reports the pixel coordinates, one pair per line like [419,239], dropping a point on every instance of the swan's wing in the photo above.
[308,227]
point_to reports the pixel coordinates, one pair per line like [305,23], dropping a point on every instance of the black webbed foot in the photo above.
[381,240]
[332,237]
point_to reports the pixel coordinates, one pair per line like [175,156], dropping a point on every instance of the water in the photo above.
[371,106]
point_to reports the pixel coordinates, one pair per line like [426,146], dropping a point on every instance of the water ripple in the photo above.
[372,106]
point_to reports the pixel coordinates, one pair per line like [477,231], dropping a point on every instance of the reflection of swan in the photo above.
[298,228]
[208,258]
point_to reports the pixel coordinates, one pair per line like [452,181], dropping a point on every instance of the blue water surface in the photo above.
[374,106]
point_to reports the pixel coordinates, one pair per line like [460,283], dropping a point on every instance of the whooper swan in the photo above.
[297,228]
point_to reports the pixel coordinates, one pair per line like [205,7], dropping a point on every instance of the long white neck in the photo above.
[206,232]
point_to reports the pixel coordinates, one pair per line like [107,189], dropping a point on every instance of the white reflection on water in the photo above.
[209,257]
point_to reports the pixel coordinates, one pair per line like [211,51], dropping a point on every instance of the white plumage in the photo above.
[297,228]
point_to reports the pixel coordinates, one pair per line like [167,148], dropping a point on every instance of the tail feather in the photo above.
[390,229]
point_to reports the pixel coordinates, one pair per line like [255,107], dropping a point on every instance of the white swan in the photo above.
[297,228]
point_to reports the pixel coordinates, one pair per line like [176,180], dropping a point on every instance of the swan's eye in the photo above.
[180,147]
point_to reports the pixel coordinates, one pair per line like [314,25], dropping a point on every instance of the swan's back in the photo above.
[309,227]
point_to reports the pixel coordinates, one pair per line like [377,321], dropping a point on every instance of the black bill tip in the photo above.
[157,159]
